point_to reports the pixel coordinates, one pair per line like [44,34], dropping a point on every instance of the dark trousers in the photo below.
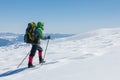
[34,49]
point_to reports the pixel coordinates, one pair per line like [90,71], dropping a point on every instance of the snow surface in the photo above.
[93,55]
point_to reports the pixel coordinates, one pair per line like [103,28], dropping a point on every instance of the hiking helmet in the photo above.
[40,25]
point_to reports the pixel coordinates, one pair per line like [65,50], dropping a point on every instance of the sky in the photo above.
[59,16]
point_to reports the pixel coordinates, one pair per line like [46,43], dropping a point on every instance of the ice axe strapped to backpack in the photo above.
[29,36]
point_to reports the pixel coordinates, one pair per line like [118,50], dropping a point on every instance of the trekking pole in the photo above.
[46,49]
[23,60]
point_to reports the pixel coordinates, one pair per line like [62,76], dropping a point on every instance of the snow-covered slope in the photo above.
[93,55]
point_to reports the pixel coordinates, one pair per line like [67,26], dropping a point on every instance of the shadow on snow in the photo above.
[11,72]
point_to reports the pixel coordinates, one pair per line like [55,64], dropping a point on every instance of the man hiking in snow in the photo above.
[36,44]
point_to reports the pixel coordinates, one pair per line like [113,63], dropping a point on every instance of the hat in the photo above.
[40,25]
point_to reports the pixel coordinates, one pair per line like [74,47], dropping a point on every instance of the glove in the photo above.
[48,37]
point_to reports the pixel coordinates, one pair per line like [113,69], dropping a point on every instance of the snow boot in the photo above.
[30,65]
[41,60]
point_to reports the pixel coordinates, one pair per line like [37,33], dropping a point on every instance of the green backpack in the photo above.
[29,36]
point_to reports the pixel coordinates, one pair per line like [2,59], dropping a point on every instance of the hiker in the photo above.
[38,34]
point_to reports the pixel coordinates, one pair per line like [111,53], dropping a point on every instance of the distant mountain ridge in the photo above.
[12,38]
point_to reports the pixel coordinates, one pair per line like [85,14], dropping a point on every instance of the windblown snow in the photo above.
[93,55]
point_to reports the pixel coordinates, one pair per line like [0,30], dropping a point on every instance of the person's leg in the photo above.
[32,54]
[40,54]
